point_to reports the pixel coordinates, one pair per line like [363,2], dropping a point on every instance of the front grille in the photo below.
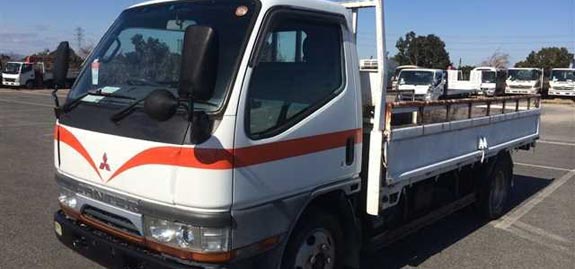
[110,219]
[10,80]
[519,87]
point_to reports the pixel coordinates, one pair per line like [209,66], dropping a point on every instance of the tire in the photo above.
[495,188]
[29,85]
[316,242]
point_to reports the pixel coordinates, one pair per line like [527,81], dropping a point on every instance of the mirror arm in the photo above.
[57,108]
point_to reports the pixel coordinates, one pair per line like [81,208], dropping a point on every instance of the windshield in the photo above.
[563,75]
[523,74]
[488,77]
[142,50]
[12,68]
[416,78]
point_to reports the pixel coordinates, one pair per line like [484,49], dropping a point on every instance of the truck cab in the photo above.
[20,74]
[235,134]
[562,82]
[426,84]
[395,77]
[524,81]
[492,80]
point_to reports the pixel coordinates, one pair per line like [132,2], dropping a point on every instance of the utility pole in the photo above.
[79,34]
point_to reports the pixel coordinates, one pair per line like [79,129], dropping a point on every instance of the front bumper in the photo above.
[521,91]
[561,92]
[113,253]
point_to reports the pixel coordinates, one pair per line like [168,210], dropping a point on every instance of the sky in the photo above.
[471,29]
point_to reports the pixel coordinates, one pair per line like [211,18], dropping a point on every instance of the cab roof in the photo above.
[323,5]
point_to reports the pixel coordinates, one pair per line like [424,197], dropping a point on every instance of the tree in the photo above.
[4,59]
[497,60]
[425,51]
[547,58]
[466,71]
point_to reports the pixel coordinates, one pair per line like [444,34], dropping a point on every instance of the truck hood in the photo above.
[419,89]
[156,172]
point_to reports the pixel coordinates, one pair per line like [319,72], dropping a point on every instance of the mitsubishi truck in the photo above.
[425,84]
[562,82]
[233,134]
[524,81]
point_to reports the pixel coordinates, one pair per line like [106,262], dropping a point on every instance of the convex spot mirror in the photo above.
[61,64]
[161,105]
[199,66]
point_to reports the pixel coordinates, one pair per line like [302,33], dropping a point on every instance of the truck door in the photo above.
[298,117]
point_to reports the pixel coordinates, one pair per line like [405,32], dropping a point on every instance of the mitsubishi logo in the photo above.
[104,165]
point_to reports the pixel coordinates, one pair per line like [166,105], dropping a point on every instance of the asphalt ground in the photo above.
[537,232]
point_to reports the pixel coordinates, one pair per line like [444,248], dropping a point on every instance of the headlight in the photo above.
[67,198]
[194,238]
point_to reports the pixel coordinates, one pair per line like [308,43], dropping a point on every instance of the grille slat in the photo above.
[110,219]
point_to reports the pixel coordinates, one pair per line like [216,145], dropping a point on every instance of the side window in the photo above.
[299,69]
[26,68]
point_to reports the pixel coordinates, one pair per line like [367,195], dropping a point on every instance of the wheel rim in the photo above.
[317,251]
[498,192]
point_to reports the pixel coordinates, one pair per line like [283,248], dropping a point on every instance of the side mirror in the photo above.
[61,64]
[161,105]
[198,70]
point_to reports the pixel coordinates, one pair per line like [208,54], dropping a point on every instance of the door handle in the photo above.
[350,151]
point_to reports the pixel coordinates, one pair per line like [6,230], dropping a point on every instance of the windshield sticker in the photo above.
[110,89]
[95,71]
[92,99]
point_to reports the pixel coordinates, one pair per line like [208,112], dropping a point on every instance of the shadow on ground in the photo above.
[415,249]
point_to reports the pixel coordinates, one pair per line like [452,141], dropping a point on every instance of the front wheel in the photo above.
[316,243]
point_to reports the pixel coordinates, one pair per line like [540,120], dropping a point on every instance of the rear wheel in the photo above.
[29,84]
[316,243]
[495,190]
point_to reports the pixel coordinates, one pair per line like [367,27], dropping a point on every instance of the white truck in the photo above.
[395,77]
[20,74]
[255,148]
[456,83]
[424,84]
[492,80]
[31,74]
[562,82]
[524,81]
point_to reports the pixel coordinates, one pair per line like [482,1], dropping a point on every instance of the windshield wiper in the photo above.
[74,103]
[120,115]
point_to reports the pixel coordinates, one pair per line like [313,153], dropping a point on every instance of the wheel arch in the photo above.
[338,201]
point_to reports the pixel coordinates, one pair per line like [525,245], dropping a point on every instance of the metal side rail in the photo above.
[426,139]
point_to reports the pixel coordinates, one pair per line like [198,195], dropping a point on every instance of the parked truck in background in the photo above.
[492,81]
[425,84]
[457,85]
[524,81]
[562,82]
[255,149]
[395,77]
[32,73]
